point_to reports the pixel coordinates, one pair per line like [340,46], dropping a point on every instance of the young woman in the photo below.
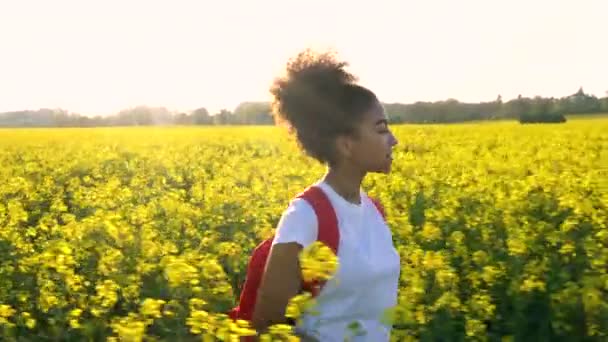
[344,126]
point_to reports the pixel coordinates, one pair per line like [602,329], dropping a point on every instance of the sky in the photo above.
[99,57]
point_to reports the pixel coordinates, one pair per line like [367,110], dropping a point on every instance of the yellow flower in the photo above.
[107,293]
[152,307]
[179,272]
[6,311]
[129,328]
[531,284]
[74,324]
[430,232]
[199,321]
[318,262]
[30,322]
[298,305]
[433,260]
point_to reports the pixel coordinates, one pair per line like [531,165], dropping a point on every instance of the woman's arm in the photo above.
[281,281]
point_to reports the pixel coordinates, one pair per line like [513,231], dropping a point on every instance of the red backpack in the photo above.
[328,234]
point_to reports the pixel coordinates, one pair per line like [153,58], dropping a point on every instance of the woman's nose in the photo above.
[393,140]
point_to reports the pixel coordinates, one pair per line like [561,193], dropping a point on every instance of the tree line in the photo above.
[524,109]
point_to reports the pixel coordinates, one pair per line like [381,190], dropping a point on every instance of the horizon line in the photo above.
[175,110]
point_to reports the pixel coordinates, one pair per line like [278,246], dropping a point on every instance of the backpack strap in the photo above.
[326,216]
[379,207]
[328,232]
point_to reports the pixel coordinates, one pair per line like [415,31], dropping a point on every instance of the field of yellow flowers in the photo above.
[143,234]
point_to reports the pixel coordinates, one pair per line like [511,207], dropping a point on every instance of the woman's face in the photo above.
[371,149]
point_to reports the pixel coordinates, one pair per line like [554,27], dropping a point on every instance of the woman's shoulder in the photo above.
[298,223]
[301,209]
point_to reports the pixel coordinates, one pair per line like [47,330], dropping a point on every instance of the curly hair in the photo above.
[319,100]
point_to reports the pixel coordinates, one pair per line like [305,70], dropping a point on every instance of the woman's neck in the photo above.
[346,182]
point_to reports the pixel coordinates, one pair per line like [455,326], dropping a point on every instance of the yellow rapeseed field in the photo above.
[143,234]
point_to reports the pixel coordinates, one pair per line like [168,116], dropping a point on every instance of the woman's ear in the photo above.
[344,147]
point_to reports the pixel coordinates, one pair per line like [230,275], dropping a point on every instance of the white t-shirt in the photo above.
[366,282]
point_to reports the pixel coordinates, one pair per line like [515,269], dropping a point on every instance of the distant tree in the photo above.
[396,112]
[253,113]
[581,103]
[604,105]
[143,116]
[223,117]
[543,110]
[201,116]
[182,119]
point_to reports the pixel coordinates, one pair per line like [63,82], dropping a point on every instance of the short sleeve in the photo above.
[297,224]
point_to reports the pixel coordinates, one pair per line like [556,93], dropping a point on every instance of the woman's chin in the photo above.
[385,168]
